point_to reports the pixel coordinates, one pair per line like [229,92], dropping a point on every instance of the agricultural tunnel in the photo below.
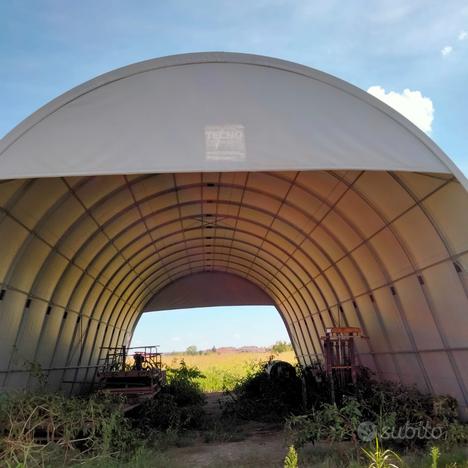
[226,178]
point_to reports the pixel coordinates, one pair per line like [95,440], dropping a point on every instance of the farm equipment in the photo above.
[134,373]
[341,365]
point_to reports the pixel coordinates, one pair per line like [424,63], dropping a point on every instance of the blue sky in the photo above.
[388,46]
[175,330]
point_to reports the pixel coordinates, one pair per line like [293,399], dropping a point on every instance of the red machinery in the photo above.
[135,373]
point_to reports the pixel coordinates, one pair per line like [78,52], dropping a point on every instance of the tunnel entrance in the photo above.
[223,343]
[139,180]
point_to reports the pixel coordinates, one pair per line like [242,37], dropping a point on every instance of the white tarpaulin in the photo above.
[285,184]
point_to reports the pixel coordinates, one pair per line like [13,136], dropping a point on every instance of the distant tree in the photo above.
[213,349]
[281,347]
[191,350]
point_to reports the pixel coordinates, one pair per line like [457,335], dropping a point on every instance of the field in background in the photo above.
[223,370]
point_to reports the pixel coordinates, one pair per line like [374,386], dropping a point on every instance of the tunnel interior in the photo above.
[150,184]
[83,257]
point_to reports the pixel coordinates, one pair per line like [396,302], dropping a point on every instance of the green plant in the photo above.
[42,429]
[260,397]
[179,405]
[435,455]
[329,422]
[380,458]
[291,460]
[456,433]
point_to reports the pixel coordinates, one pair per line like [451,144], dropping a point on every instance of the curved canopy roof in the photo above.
[215,112]
[334,206]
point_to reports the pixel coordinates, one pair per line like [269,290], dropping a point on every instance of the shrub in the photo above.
[386,405]
[330,422]
[261,397]
[178,406]
[38,429]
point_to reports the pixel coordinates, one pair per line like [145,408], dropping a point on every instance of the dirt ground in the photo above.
[254,445]
[262,447]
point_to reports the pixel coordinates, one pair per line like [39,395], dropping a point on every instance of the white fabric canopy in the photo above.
[167,115]
[119,196]
[208,289]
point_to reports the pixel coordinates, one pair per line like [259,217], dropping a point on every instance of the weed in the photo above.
[40,429]
[330,422]
[168,419]
[263,398]
[291,460]
[435,455]
[380,458]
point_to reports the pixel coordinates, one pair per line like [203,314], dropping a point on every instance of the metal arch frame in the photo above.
[145,247]
[240,268]
[426,293]
[248,233]
[407,252]
[338,242]
[419,203]
[183,273]
[415,351]
[270,195]
[281,313]
[168,208]
[145,258]
[130,189]
[378,212]
[196,239]
[122,249]
[85,215]
[389,225]
[259,272]
[251,234]
[350,186]
[219,248]
[32,234]
[119,188]
[169,235]
[383,286]
[202,253]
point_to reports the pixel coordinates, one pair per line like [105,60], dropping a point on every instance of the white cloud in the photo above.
[175,338]
[462,36]
[446,50]
[412,104]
